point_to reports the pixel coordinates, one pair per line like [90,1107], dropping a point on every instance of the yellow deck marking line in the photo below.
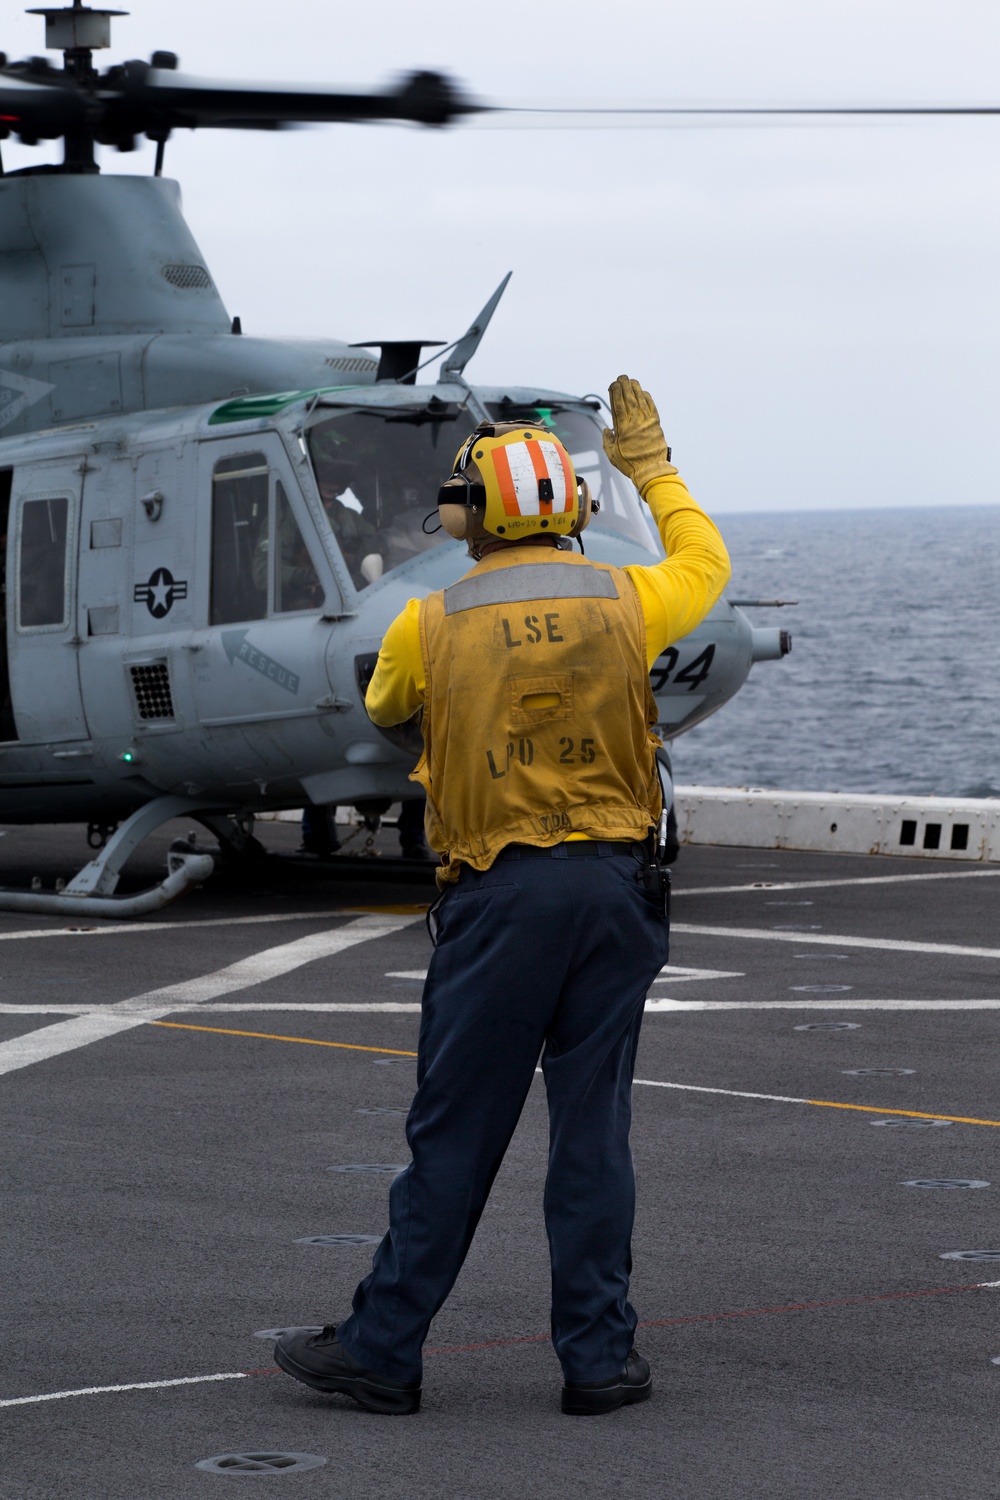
[267,1036]
[868,1109]
[413,910]
[257,968]
[653,1083]
[912,1114]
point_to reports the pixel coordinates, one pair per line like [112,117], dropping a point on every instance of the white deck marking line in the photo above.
[656,1003]
[864,1109]
[890,945]
[662,1003]
[676,975]
[666,975]
[135,1385]
[118,928]
[270,963]
[153,1385]
[817,885]
[236,1007]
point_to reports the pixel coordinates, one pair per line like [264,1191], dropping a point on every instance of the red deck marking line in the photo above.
[741,1312]
[267,1036]
[759,1312]
[531,1338]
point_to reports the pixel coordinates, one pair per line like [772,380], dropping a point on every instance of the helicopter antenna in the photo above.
[466,346]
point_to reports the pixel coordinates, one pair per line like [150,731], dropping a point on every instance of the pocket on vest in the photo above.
[536,700]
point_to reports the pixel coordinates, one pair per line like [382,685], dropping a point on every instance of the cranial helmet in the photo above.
[511,481]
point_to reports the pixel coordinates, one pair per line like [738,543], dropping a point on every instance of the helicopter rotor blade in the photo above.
[38,103]
[40,111]
[425,98]
[653,111]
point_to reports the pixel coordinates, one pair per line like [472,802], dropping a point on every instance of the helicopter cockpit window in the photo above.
[260,562]
[41,587]
[240,538]
[378,474]
[296,583]
[621,510]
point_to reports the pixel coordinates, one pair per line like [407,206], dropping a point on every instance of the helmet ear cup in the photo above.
[455,519]
[587,508]
[461,505]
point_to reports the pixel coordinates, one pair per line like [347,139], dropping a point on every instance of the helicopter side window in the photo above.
[296,583]
[240,539]
[42,563]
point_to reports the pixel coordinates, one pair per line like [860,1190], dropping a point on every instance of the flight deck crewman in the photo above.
[539,768]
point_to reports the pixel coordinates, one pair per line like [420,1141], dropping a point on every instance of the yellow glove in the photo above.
[636,446]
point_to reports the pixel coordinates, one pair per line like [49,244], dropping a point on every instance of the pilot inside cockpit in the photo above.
[357,538]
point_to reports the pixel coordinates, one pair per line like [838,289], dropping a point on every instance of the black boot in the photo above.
[411,830]
[418,850]
[592,1398]
[320,1360]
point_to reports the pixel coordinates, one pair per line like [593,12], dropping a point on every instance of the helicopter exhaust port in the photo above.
[770,643]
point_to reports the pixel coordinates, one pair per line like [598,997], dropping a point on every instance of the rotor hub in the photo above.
[76,27]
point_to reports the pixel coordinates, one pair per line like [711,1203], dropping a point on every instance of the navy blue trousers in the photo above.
[534,957]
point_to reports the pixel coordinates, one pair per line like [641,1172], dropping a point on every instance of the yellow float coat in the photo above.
[536,706]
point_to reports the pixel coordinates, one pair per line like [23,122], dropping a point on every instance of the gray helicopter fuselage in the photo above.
[207,534]
[107,306]
[129,679]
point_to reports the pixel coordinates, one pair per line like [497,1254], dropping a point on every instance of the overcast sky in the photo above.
[814,307]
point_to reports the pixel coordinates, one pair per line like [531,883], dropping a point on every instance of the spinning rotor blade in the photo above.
[176,100]
[609,113]
[39,110]
[38,103]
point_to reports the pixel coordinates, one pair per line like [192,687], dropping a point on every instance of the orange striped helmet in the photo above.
[511,480]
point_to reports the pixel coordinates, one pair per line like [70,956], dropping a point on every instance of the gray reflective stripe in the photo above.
[530,581]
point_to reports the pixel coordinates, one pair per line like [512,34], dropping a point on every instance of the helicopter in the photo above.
[203,535]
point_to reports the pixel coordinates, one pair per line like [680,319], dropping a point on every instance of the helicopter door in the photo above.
[262,656]
[44,639]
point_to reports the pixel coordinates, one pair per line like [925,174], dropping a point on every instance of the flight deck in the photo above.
[203,1112]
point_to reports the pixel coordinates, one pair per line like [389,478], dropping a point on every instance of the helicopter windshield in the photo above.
[379,473]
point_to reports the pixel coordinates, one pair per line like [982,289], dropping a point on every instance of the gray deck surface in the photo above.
[806,1338]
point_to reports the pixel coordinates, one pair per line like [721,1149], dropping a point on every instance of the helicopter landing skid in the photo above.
[91,892]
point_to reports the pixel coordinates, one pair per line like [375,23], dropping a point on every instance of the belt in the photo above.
[572,849]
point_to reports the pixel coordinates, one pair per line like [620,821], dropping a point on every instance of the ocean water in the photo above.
[893,682]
